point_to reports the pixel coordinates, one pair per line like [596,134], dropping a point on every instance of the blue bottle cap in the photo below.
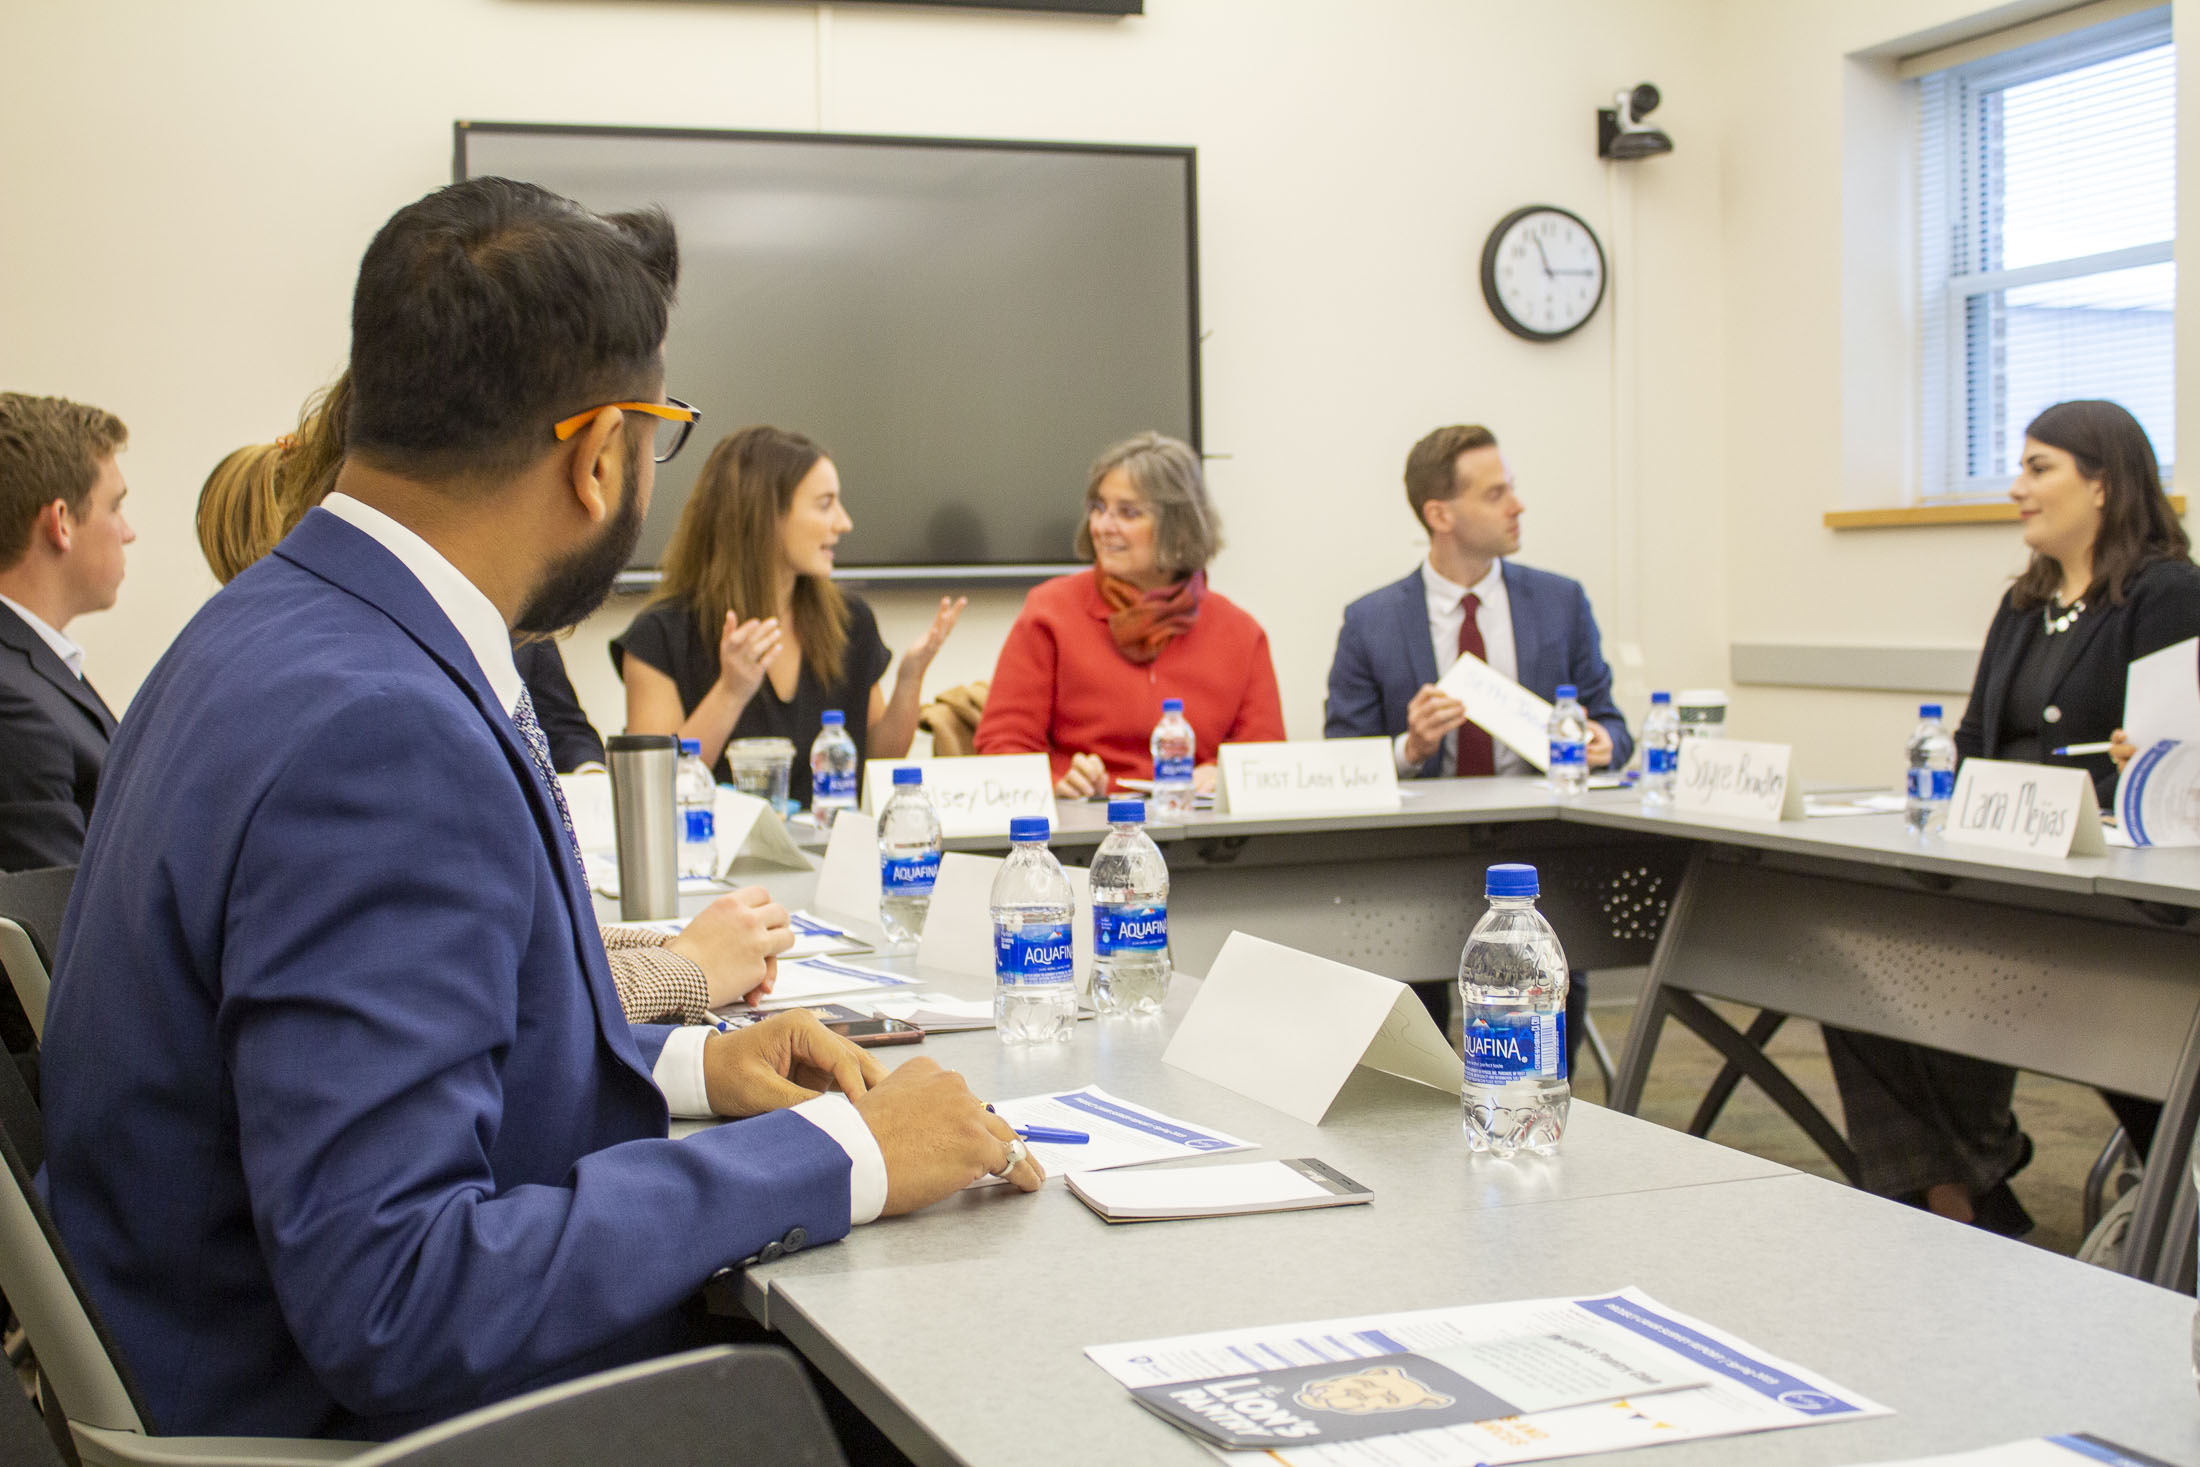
[1172,705]
[1568,690]
[907,774]
[832,718]
[1660,699]
[1928,710]
[1026,828]
[692,746]
[1509,881]
[1132,811]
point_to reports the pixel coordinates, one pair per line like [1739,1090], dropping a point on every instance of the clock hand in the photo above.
[1542,255]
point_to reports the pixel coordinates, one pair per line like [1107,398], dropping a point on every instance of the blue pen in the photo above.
[1050,1135]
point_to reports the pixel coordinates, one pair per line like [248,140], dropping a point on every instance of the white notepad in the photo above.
[1216,1191]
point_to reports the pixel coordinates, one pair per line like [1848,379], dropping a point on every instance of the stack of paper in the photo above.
[1122,1134]
[2045,1451]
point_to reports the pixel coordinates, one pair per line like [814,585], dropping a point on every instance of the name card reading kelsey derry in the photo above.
[974,796]
[1307,776]
[1733,777]
[2034,808]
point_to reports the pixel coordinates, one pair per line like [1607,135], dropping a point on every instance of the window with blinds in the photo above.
[2047,212]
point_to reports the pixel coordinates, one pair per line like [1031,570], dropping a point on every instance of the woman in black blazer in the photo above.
[2111,579]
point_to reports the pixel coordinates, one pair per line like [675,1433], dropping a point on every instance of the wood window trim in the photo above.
[1939,514]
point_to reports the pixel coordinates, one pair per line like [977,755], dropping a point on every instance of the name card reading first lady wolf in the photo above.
[974,796]
[2037,809]
[1307,777]
[1731,777]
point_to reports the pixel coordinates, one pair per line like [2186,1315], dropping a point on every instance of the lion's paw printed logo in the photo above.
[1377,1389]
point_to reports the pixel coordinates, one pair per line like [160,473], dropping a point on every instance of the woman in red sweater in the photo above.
[1084,670]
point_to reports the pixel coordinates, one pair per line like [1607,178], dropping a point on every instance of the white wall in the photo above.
[189,188]
[181,237]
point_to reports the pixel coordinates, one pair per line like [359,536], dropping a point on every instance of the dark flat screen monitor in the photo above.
[962,325]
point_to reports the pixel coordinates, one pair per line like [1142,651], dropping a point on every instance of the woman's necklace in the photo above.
[2053,620]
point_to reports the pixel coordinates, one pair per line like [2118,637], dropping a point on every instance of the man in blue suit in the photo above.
[1531,625]
[346,1132]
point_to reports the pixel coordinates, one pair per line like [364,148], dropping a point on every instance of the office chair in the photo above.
[745,1404]
[32,904]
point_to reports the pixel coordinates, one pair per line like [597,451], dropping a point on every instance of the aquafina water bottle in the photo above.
[1661,751]
[1130,916]
[1175,749]
[1932,781]
[1035,985]
[1569,730]
[696,794]
[1512,1006]
[832,770]
[908,858]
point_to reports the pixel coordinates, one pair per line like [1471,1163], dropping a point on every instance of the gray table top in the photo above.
[1970,1339]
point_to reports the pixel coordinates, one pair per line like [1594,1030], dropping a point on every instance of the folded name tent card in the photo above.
[1510,713]
[2034,809]
[1216,1191]
[1735,777]
[1307,777]
[848,887]
[747,826]
[974,796]
[958,927]
[1287,1028]
[588,804]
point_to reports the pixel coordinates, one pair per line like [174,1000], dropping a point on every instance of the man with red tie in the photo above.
[1531,625]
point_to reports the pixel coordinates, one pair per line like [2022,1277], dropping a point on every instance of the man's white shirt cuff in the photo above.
[1406,770]
[679,1074]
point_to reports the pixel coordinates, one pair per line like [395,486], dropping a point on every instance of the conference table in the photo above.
[2085,968]
[960,1330]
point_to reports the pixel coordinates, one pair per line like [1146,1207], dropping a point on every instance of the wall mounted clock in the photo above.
[1542,272]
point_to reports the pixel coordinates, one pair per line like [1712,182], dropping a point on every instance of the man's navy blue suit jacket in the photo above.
[345,1129]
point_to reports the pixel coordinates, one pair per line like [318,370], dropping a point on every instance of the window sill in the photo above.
[1938,514]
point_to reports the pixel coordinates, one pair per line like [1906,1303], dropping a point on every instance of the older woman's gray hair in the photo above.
[1165,471]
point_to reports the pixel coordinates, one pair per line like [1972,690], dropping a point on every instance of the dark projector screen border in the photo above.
[963,324]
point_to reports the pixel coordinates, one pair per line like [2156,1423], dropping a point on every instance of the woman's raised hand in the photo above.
[920,653]
[745,649]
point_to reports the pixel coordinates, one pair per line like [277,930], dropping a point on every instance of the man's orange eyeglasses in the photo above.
[675,420]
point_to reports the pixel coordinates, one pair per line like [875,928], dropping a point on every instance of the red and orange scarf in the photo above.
[1144,622]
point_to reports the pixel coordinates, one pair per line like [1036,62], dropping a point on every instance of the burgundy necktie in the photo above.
[1476,755]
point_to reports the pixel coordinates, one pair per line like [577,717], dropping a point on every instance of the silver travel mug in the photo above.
[642,769]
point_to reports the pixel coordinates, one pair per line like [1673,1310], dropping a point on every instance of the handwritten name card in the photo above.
[1512,714]
[1308,777]
[974,796]
[1733,777]
[2033,808]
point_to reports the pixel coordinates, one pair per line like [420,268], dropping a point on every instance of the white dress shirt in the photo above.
[679,1068]
[63,648]
[1447,601]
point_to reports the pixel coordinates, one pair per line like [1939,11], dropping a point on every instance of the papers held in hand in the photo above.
[1216,1191]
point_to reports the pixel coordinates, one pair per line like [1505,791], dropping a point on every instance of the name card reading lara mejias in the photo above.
[1733,777]
[974,796]
[2037,809]
[1306,776]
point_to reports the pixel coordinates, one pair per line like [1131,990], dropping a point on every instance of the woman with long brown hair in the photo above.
[748,637]
[2110,579]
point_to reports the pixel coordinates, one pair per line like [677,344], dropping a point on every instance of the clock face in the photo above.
[1542,272]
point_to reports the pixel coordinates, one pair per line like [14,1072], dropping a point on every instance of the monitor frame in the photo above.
[640,579]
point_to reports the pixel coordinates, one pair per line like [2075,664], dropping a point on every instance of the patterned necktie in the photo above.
[530,731]
[1476,754]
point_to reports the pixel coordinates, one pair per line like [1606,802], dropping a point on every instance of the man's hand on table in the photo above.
[936,1136]
[783,1061]
[736,941]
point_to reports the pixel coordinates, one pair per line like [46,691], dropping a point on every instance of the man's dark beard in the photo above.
[577,585]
